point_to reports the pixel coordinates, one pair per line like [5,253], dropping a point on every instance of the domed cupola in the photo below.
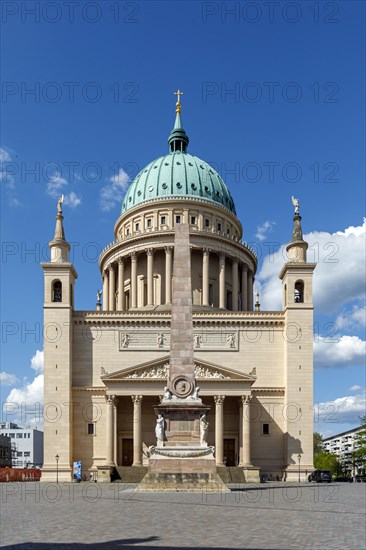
[178,175]
[177,188]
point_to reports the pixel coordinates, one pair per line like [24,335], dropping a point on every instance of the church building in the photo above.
[106,368]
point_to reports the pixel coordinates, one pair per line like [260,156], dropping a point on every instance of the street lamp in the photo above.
[299,459]
[57,459]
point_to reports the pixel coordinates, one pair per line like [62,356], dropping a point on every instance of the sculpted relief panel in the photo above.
[162,372]
[146,340]
[143,340]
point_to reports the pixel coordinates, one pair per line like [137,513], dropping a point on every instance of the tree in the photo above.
[358,455]
[324,460]
[327,461]
[318,443]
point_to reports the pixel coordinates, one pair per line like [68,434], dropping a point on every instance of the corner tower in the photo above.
[297,292]
[59,280]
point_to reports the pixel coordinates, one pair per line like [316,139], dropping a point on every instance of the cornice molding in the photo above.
[146,238]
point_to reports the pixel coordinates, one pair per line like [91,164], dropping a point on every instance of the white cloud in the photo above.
[114,191]
[8,168]
[4,155]
[37,361]
[347,351]
[56,187]
[352,319]
[24,404]
[339,275]
[355,388]
[29,394]
[343,410]
[56,184]
[8,379]
[72,199]
[264,229]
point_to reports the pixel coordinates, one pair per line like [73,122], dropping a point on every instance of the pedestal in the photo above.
[251,474]
[182,461]
[104,474]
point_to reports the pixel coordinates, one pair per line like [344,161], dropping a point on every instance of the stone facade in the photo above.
[105,369]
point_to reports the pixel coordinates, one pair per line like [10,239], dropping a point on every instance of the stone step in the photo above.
[231,474]
[210,483]
[131,474]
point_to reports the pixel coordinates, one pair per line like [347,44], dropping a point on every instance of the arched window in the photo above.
[57,291]
[299,292]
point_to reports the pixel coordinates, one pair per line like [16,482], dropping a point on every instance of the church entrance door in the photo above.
[229,451]
[127,452]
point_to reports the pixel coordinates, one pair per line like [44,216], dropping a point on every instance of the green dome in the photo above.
[178,175]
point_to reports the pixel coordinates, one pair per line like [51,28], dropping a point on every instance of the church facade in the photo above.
[105,369]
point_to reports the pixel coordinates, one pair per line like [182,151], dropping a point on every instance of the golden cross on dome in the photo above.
[178,105]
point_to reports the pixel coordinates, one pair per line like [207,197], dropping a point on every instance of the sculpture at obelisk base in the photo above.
[181,459]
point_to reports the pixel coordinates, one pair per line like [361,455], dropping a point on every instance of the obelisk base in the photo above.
[183,461]
[173,468]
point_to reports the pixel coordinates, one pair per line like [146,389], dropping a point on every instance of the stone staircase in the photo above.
[231,474]
[130,474]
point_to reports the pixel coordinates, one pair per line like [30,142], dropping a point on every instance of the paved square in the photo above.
[271,516]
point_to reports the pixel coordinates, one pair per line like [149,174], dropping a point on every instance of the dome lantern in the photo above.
[178,139]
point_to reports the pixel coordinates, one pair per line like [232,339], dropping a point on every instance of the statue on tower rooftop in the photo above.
[59,204]
[296,204]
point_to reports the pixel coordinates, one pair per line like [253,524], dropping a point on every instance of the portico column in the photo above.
[168,274]
[121,284]
[133,279]
[110,430]
[245,425]
[137,430]
[235,283]
[222,293]
[105,291]
[219,429]
[244,287]
[112,289]
[205,275]
[250,290]
[150,268]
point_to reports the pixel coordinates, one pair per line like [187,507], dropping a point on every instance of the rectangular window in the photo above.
[137,227]
[149,222]
[91,428]
[265,429]
[20,453]
[177,219]
[163,220]
[28,436]
[193,220]
[207,223]
[26,453]
[12,435]
[19,436]
[219,227]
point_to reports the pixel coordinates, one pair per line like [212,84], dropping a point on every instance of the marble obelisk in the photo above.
[181,371]
[182,459]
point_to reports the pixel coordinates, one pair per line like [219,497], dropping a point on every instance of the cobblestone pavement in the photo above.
[110,516]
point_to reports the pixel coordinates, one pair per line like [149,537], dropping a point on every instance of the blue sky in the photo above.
[272,99]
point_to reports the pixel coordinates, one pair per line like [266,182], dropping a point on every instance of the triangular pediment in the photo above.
[158,369]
